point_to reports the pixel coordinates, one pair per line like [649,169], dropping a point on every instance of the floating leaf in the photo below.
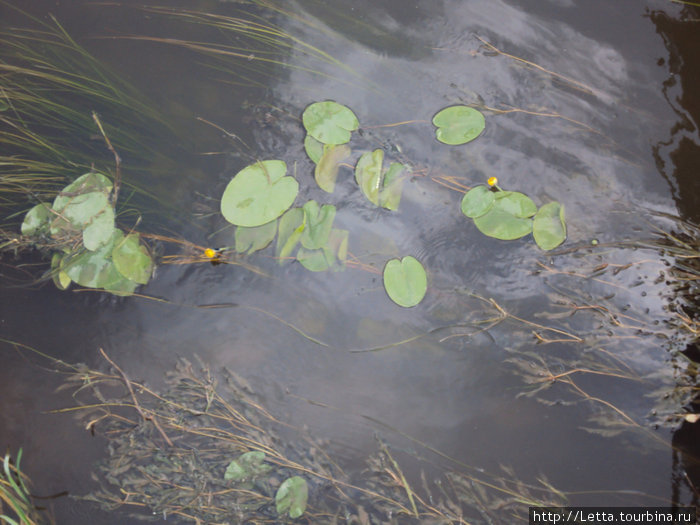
[329,122]
[292,496]
[458,125]
[60,278]
[87,183]
[314,148]
[258,194]
[549,226]
[331,256]
[246,466]
[405,281]
[132,260]
[500,223]
[392,186]
[477,201]
[368,174]
[313,260]
[326,171]
[317,224]
[249,240]
[516,203]
[36,221]
[291,227]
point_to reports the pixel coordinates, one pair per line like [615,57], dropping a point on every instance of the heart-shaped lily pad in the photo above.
[382,188]
[329,122]
[405,281]
[249,240]
[477,201]
[248,465]
[549,227]
[258,194]
[458,125]
[313,148]
[500,223]
[36,221]
[318,221]
[132,260]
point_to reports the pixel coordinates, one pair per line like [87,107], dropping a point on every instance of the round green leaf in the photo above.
[329,122]
[94,269]
[132,260]
[477,201]
[36,220]
[516,203]
[458,125]
[405,281]
[500,223]
[258,194]
[292,497]
[549,226]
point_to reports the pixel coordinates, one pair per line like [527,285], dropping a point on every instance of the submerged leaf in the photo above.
[318,222]
[292,496]
[247,465]
[392,186]
[36,221]
[326,171]
[249,240]
[368,174]
[405,281]
[549,226]
[291,227]
[60,278]
[314,148]
[258,194]
[329,122]
[477,201]
[458,125]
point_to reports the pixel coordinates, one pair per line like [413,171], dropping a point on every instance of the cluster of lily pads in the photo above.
[248,469]
[87,246]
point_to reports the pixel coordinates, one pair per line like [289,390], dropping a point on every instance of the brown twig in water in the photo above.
[117,158]
[136,402]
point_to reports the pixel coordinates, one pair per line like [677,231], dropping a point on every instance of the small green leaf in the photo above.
[291,227]
[247,465]
[368,174]
[318,223]
[405,281]
[60,278]
[314,148]
[132,260]
[477,201]
[549,226]
[249,240]
[258,194]
[458,124]
[292,496]
[500,223]
[329,122]
[36,221]
[326,171]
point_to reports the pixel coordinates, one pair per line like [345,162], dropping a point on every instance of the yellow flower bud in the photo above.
[492,181]
[209,253]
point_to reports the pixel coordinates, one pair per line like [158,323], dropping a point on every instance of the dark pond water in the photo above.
[590,103]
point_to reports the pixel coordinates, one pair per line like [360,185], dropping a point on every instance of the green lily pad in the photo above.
[332,256]
[36,221]
[458,125]
[368,174]
[329,122]
[516,203]
[292,496]
[249,240]
[132,260]
[87,183]
[326,171]
[318,222]
[477,201]
[549,226]
[247,465]
[313,260]
[258,194]
[314,148]
[405,281]
[289,232]
[500,223]
[100,229]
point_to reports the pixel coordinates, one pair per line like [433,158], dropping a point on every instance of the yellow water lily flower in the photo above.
[492,181]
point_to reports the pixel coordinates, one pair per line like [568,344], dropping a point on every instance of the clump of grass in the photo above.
[16,507]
